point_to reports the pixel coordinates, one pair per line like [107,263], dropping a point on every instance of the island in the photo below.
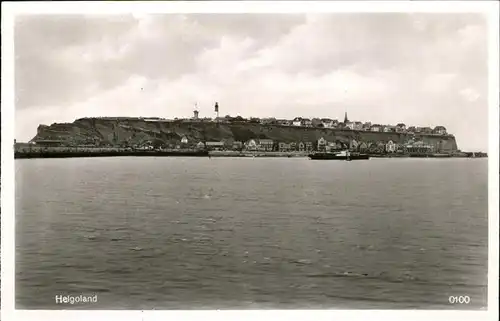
[235,136]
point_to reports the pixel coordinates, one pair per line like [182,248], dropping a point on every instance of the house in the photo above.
[283,122]
[340,145]
[293,146]
[363,147]
[222,119]
[439,130]
[353,145]
[376,128]
[251,145]
[389,129]
[423,130]
[283,147]
[411,130]
[366,126]
[200,145]
[237,145]
[327,123]
[400,128]
[215,145]
[268,121]
[419,147]
[297,121]
[184,140]
[358,125]
[331,146]
[307,122]
[390,147]
[426,130]
[349,125]
[321,144]
[266,145]
[309,146]
[302,147]
[316,122]
[380,147]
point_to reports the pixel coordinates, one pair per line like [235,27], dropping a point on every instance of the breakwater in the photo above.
[47,153]
[59,152]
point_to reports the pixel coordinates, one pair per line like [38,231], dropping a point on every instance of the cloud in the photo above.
[421,69]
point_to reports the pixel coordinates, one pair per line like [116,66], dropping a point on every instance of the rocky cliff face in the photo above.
[134,131]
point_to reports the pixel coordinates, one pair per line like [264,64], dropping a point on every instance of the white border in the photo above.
[9,10]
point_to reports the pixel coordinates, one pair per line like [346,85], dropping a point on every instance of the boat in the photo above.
[343,155]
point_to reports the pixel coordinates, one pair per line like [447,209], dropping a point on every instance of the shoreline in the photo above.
[114,152]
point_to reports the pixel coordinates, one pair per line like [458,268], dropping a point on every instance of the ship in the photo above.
[343,155]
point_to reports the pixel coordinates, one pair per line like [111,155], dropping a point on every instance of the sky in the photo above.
[423,69]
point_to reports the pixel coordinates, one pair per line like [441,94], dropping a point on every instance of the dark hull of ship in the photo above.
[327,156]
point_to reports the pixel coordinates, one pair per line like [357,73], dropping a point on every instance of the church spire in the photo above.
[346,120]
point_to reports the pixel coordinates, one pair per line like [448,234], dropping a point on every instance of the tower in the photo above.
[216,107]
[346,120]
[195,112]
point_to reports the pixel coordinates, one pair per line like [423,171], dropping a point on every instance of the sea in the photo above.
[251,233]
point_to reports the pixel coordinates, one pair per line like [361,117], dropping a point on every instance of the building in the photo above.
[321,144]
[389,129]
[376,128]
[297,121]
[439,130]
[307,122]
[411,130]
[424,130]
[293,146]
[268,121]
[390,147]
[200,145]
[331,146]
[419,148]
[302,147]
[366,126]
[266,145]
[353,145]
[251,145]
[358,125]
[184,140]
[400,128]
[349,125]
[309,146]
[237,145]
[215,145]
[346,120]
[284,122]
[363,147]
[328,123]
[283,147]
[316,122]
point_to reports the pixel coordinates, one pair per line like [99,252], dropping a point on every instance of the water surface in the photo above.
[192,233]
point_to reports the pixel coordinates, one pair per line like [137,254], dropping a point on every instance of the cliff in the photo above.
[136,131]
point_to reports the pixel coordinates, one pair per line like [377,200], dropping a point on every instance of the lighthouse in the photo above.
[196,112]
[216,110]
